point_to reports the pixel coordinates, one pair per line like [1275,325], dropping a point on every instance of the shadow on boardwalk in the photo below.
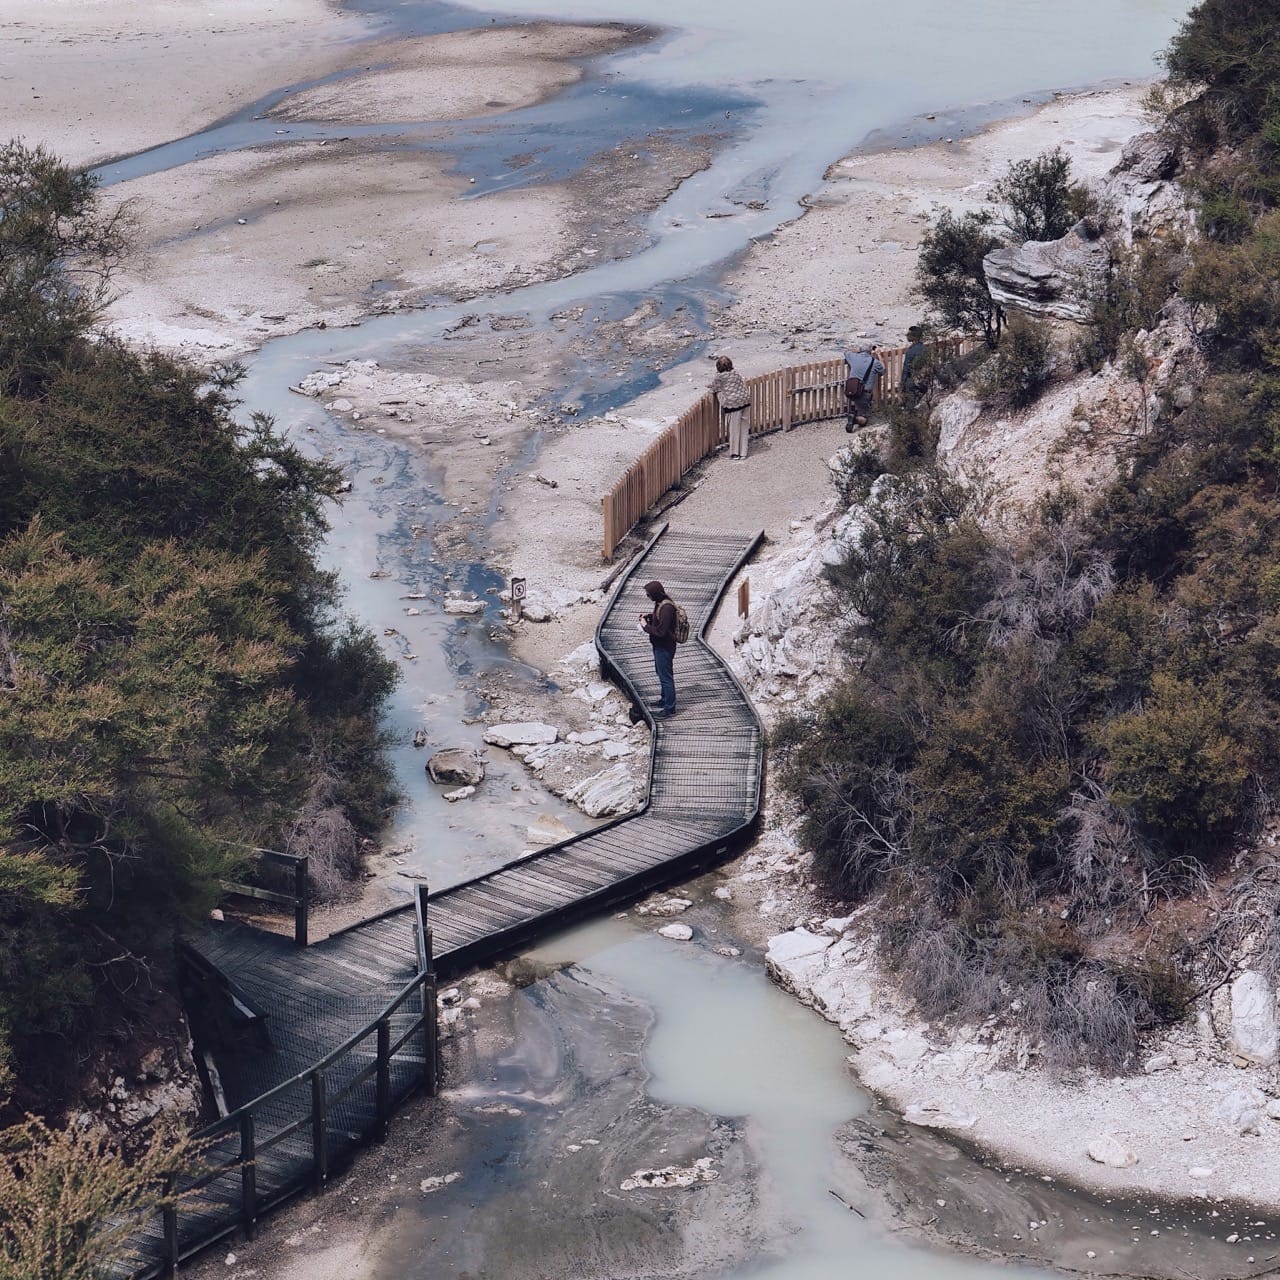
[315,1046]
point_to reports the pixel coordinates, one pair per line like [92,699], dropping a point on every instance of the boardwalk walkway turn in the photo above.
[704,794]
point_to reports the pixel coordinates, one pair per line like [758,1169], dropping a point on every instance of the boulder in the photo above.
[524,734]
[1254,1034]
[1109,1150]
[604,794]
[676,932]
[462,605]
[547,829]
[1049,278]
[1241,1110]
[931,1115]
[458,766]
[1149,157]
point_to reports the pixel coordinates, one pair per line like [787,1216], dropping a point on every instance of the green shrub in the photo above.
[949,276]
[1021,367]
[1040,202]
[69,1201]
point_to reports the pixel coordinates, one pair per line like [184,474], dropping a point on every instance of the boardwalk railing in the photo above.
[298,864]
[274,1010]
[780,400]
[251,1161]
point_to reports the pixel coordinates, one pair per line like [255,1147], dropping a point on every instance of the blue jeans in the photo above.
[664,665]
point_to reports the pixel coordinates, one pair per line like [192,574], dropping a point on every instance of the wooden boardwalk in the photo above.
[705,784]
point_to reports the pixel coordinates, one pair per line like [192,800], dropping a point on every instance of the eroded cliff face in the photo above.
[1201,1115]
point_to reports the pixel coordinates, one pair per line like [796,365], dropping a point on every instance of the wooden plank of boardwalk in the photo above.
[704,792]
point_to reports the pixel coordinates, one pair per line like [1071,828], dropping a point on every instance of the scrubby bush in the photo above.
[1039,201]
[69,1200]
[1021,367]
[950,279]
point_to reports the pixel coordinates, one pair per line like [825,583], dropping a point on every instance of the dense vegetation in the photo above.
[175,680]
[1052,738]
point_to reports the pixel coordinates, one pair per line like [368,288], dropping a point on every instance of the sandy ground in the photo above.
[96,79]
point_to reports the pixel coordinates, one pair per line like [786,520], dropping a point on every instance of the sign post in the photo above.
[518,592]
[744,597]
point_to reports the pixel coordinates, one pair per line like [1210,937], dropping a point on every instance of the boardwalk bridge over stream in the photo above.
[314,1046]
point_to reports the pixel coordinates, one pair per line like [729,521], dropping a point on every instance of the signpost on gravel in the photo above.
[518,593]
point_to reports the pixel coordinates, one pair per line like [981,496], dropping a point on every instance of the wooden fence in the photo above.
[780,400]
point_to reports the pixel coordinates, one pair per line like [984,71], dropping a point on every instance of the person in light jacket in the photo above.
[862,360]
[735,404]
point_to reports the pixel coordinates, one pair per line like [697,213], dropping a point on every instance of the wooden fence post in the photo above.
[383,1079]
[319,1133]
[300,900]
[248,1177]
[788,396]
[430,1029]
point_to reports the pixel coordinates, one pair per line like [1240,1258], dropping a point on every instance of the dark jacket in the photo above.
[661,624]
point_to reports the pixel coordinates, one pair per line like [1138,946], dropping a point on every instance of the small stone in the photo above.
[676,932]
[216,914]
[1109,1150]
[724,893]
[461,793]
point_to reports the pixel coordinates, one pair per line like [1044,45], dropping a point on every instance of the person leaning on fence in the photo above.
[913,380]
[863,369]
[660,626]
[735,405]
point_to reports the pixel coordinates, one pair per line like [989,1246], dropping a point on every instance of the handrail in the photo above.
[780,400]
[223,1122]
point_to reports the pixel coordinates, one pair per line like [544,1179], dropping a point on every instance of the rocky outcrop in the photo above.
[1051,279]
[1254,1035]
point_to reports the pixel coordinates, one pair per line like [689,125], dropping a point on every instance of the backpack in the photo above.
[852,388]
[681,631]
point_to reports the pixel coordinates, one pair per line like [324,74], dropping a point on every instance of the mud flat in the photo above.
[94,79]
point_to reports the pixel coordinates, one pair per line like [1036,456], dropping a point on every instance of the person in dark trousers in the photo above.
[862,361]
[660,626]
[913,387]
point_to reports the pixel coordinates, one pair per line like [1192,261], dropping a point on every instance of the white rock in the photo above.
[216,914]
[535,611]
[1273,1108]
[1158,1062]
[1200,1171]
[590,737]
[461,793]
[524,733]
[676,932]
[462,605]
[671,1176]
[1253,1019]
[547,829]
[723,892]
[427,1185]
[933,1117]
[1241,1110]
[616,750]
[1109,1150]
[604,794]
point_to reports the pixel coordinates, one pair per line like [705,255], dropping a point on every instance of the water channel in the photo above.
[789,89]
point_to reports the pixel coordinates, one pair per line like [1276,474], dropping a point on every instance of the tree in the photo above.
[57,252]
[1040,201]
[175,676]
[950,278]
[1231,50]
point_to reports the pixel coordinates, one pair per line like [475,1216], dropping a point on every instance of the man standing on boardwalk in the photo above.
[660,626]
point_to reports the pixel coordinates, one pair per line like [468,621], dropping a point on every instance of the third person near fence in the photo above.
[735,404]
[863,369]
